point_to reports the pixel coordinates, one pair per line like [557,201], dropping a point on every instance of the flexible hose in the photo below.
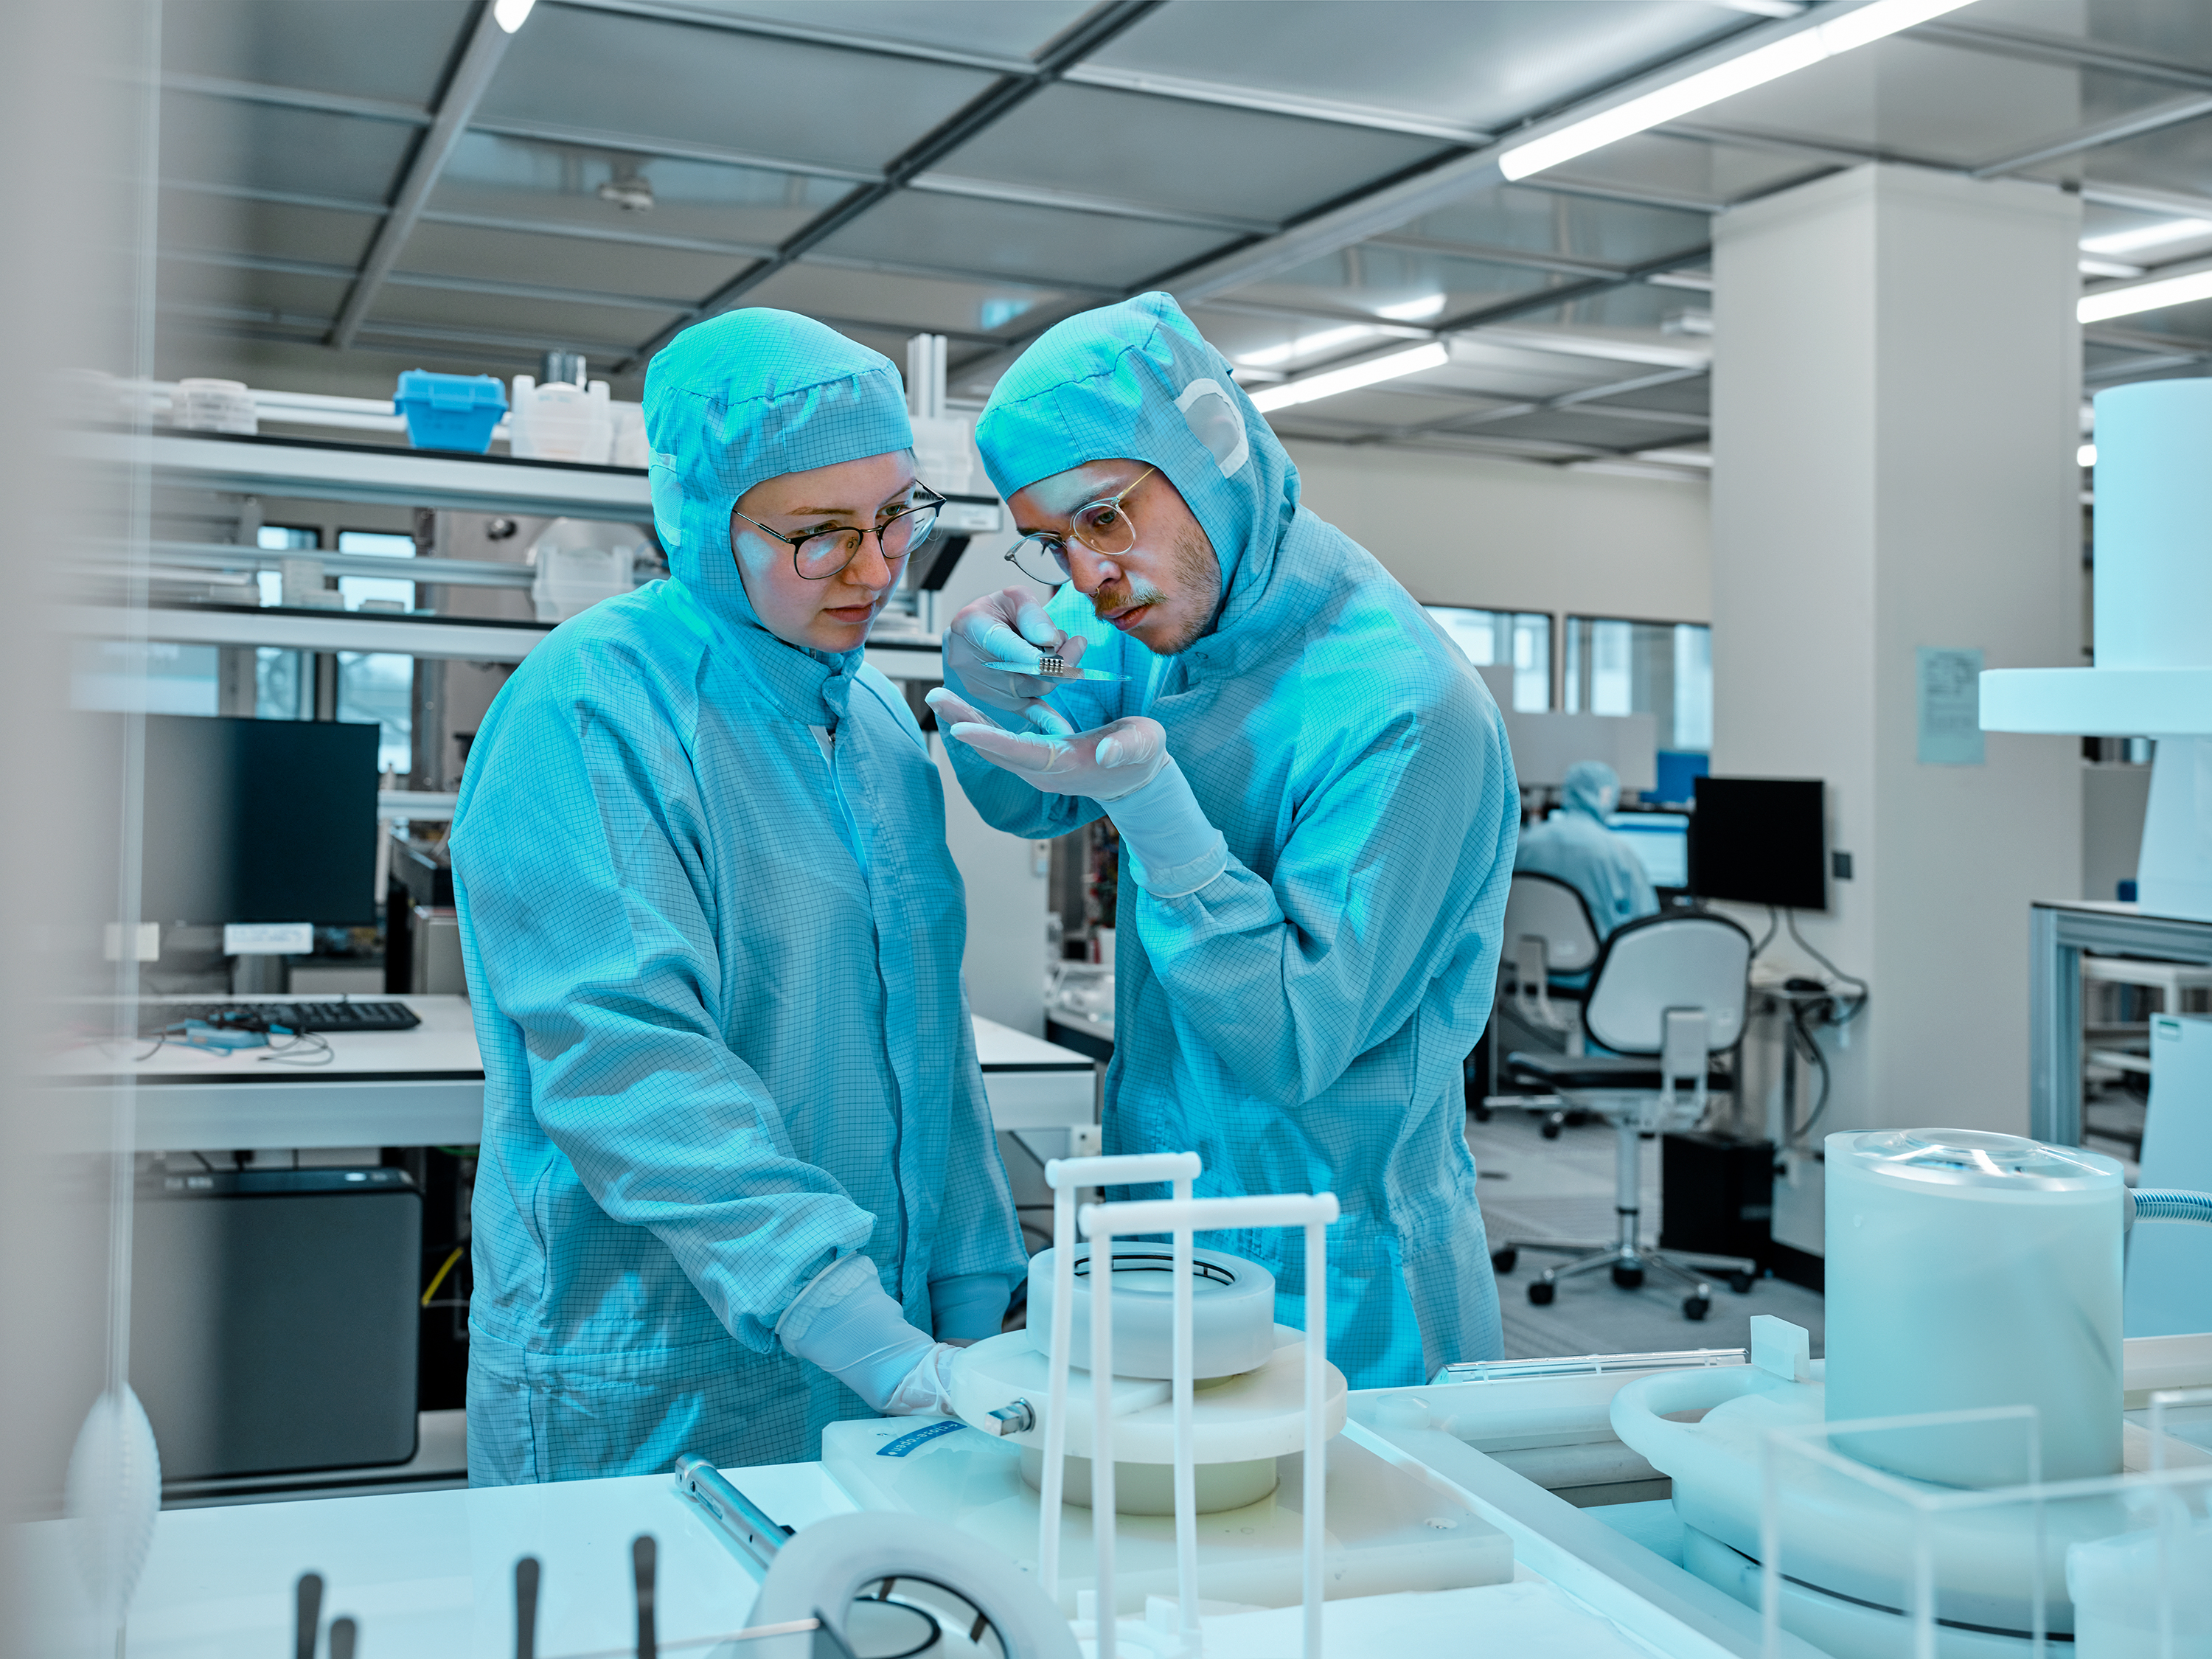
[2167,1204]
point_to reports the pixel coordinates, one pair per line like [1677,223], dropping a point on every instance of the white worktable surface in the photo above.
[430,1575]
[424,1087]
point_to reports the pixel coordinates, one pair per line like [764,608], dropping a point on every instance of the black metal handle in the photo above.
[307,1623]
[641,1553]
[526,1607]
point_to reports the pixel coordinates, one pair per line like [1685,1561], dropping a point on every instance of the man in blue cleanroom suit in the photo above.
[737,1169]
[1315,803]
[1577,848]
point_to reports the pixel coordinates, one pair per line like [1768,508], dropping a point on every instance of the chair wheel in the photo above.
[1481,1114]
[1628,1279]
[1551,1128]
[1540,1293]
[1695,1306]
[1502,1261]
[1741,1283]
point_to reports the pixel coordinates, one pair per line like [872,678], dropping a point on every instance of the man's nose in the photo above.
[1089,571]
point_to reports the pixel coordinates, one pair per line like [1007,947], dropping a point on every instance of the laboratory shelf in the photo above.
[320,470]
[469,638]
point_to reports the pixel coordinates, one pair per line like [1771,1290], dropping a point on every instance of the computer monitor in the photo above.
[259,821]
[1661,841]
[1760,840]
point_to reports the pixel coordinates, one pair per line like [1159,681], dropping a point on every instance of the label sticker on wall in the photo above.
[1950,697]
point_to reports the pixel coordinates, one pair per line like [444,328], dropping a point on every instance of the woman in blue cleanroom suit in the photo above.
[737,1171]
[1316,870]
[1577,848]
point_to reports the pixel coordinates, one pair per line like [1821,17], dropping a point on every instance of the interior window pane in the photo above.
[1665,670]
[376,592]
[1521,640]
[380,686]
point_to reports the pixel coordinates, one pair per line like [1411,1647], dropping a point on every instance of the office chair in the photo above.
[1548,930]
[1668,999]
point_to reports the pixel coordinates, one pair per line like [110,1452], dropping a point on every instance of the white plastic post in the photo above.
[1181,1215]
[1102,1439]
[1185,1433]
[1064,1176]
[1317,1360]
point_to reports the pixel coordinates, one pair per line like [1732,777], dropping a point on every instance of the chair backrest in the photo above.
[1697,960]
[1545,908]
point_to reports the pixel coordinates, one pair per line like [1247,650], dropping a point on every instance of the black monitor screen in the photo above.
[259,821]
[1759,841]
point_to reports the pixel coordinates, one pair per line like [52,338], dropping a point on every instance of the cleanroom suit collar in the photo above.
[750,396]
[1137,379]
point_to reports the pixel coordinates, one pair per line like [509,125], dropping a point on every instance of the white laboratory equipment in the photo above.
[1971,1425]
[2153,608]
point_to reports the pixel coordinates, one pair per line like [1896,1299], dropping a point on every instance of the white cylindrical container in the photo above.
[1967,1271]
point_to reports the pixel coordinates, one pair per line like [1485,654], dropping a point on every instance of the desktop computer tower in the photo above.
[1717,1196]
[274,1319]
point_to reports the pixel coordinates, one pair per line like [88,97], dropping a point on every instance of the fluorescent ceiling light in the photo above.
[509,14]
[1351,378]
[2145,296]
[2086,456]
[2127,241]
[1412,311]
[2107,268]
[1693,92]
[1269,356]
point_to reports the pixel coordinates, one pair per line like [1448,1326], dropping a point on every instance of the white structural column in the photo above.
[1897,378]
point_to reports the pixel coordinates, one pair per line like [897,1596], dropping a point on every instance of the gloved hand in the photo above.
[1007,626]
[844,1323]
[1124,766]
[927,1387]
[1106,763]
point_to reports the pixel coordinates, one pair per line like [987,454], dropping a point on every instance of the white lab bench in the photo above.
[424,1087]
[430,1574]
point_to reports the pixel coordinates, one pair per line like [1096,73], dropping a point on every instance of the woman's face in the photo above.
[834,613]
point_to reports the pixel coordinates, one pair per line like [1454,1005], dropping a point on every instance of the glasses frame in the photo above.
[1012,555]
[935,505]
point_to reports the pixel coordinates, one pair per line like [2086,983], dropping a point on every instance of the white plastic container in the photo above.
[1967,1271]
[201,405]
[630,447]
[559,422]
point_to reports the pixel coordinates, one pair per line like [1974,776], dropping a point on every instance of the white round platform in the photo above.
[1260,1413]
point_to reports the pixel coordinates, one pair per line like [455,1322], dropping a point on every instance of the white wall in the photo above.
[1502,535]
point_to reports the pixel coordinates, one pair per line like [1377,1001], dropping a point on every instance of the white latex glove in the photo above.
[1007,626]
[927,1387]
[1105,763]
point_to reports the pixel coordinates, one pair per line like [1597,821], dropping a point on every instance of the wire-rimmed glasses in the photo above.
[1104,527]
[819,556]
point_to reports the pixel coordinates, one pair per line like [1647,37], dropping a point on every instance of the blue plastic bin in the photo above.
[450,411]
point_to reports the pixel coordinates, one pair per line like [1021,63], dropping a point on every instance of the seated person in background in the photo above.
[1577,848]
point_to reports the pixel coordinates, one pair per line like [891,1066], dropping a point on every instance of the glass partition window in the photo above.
[282,538]
[1490,638]
[380,686]
[1616,666]
[376,592]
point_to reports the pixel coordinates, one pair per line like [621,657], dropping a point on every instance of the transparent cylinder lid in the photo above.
[1978,1158]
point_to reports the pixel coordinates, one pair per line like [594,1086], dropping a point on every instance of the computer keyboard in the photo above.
[155,1017]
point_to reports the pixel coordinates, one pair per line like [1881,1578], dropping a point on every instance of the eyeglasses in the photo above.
[1104,527]
[821,555]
